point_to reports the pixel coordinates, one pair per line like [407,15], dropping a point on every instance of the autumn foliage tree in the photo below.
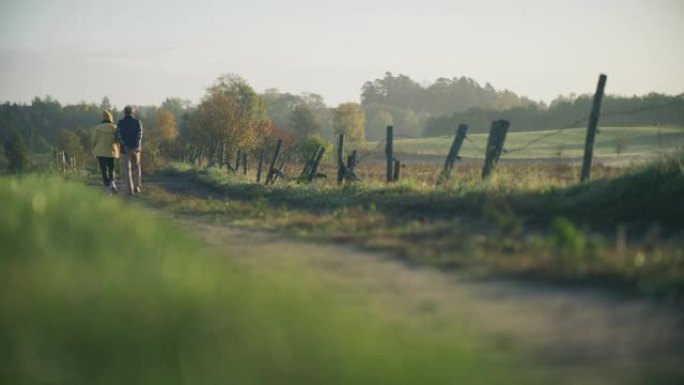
[350,120]
[231,116]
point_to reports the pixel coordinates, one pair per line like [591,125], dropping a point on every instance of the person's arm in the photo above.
[139,138]
[118,137]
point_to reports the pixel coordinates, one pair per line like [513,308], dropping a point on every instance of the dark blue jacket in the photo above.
[129,133]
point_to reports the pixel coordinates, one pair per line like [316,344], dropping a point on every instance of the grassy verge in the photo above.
[622,230]
[93,291]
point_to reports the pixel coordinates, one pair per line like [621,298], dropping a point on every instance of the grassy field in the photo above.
[623,229]
[97,291]
[566,144]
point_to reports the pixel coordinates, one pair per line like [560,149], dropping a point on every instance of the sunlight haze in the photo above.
[140,52]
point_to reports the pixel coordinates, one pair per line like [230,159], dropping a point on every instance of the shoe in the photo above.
[137,189]
[112,186]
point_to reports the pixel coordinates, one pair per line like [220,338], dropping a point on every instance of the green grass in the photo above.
[520,222]
[636,141]
[94,291]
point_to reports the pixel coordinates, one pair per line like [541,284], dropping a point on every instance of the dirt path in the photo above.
[580,336]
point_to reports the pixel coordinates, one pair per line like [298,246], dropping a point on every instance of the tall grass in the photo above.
[93,291]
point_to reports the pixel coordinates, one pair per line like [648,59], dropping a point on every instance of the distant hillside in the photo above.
[616,111]
[406,104]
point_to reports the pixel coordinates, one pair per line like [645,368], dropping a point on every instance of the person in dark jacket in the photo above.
[129,133]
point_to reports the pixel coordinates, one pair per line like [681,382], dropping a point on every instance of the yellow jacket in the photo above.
[104,142]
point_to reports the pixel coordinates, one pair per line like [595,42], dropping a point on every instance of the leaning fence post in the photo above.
[495,142]
[453,153]
[388,153]
[316,162]
[591,128]
[261,164]
[271,169]
[340,159]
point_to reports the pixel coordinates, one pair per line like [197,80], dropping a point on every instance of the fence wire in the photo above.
[532,141]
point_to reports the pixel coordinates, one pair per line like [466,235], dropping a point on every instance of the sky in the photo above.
[140,52]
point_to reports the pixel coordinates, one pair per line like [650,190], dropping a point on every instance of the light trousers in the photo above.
[130,169]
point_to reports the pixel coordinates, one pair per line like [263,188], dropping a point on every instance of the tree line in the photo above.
[232,116]
[565,112]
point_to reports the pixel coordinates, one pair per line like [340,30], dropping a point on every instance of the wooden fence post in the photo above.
[351,161]
[389,153]
[271,169]
[397,170]
[340,159]
[261,164]
[495,142]
[304,175]
[244,162]
[316,162]
[591,128]
[453,153]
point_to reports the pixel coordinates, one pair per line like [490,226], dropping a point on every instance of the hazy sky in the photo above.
[139,52]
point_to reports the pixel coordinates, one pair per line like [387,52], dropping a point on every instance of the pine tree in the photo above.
[16,153]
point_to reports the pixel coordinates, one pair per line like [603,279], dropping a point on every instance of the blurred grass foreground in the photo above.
[93,291]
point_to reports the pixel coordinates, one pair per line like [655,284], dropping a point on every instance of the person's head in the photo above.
[107,116]
[128,110]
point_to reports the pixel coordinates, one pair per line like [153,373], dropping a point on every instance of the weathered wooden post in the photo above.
[397,170]
[244,162]
[340,159]
[261,164]
[351,161]
[316,162]
[453,153]
[495,142]
[271,169]
[389,153]
[591,128]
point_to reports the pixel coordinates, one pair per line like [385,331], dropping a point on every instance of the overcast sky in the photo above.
[139,52]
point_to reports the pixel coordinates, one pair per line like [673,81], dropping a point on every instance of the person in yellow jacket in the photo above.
[106,149]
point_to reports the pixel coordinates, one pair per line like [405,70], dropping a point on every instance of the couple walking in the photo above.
[110,141]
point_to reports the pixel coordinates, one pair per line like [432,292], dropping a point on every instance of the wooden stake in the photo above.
[340,159]
[453,153]
[389,153]
[397,170]
[271,169]
[591,128]
[495,142]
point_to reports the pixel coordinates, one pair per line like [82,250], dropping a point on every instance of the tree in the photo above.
[70,142]
[350,120]
[16,153]
[177,106]
[165,129]
[105,104]
[303,123]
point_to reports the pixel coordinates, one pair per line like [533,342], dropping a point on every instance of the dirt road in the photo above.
[583,337]
[578,336]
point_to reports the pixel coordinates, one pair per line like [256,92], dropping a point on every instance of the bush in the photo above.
[305,148]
